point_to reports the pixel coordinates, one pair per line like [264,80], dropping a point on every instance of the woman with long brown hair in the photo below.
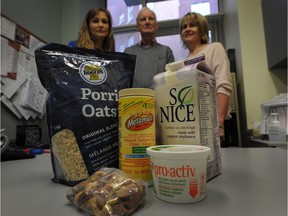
[96,31]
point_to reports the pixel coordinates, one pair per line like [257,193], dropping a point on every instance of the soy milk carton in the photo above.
[186,108]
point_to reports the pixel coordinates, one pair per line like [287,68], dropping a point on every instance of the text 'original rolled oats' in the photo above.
[82,107]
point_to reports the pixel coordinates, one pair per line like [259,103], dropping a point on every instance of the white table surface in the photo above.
[271,144]
[253,183]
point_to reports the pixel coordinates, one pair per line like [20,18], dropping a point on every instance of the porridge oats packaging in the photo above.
[82,107]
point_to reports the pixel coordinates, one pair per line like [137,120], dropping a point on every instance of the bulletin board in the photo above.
[21,89]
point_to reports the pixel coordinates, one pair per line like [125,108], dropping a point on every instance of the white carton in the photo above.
[186,110]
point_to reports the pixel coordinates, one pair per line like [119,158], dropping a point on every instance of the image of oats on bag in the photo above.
[66,151]
[82,107]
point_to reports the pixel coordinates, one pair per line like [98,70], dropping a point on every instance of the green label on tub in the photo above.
[159,148]
[171,187]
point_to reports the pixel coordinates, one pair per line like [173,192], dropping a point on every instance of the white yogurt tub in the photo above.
[179,172]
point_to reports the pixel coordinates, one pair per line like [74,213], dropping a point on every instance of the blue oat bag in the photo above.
[82,107]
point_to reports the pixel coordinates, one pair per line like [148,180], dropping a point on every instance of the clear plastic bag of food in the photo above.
[108,192]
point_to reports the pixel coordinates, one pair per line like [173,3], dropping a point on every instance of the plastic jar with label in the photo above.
[136,131]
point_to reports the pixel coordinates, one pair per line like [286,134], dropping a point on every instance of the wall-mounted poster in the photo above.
[19,77]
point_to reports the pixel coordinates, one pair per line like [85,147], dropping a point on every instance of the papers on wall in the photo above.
[35,96]
[9,57]
[8,28]
[11,106]
[21,89]
[10,86]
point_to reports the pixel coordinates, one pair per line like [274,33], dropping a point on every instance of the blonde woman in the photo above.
[194,35]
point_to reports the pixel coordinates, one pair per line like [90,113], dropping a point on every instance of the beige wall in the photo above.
[259,83]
